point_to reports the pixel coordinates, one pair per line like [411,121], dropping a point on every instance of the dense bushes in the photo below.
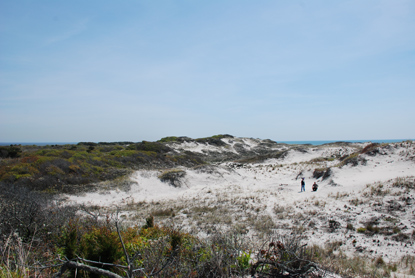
[95,243]
[213,140]
[153,250]
[30,214]
[30,223]
[54,168]
[10,152]
[149,147]
[164,252]
[21,211]
[169,139]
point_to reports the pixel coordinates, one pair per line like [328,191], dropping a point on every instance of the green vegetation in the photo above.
[262,158]
[350,227]
[36,231]
[321,159]
[172,177]
[214,140]
[322,172]
[349,159]
[219,136]
[149,147]
[10,152]
[59,167]
[168,139]
[87,247]
[370,149]
[361,230]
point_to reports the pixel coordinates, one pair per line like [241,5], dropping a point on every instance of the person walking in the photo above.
[302,185]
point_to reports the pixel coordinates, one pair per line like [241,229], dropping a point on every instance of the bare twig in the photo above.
[92,269]
[130,266]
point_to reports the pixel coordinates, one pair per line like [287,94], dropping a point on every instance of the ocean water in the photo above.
[36,143]
[351,141]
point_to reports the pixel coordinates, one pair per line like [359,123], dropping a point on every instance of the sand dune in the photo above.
[365,207]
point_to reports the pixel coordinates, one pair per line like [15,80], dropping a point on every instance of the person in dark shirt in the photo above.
[302,185]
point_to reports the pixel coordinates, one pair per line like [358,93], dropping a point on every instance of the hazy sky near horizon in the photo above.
[103,70]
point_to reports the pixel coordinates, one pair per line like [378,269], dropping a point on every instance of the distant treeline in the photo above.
[122,143]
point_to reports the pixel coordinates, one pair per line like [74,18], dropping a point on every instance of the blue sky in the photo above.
[128,70]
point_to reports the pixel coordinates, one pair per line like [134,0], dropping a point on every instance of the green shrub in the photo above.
[149,222]
[321,159]
[361,230]
[352,159]
[370,149]
[23,170]
[122,153]
[101,244]
[49,152]
[396,230]
[244,260]
[10,152]
[53,170]
[41,160]
[79,156]
[322,172]
[350,226]
[172,177]
[87,144]
[379,262]
[69,240]
[213,140]
[333,225]
[150,147]
[372,229]
[168,139]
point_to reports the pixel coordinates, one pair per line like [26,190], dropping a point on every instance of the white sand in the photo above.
[277,183]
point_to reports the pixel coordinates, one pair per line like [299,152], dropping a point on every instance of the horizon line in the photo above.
[277,141]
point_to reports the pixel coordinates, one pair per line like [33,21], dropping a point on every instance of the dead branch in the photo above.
[95,270]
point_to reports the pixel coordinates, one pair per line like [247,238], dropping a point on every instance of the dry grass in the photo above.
[338,195]
[334,260]
[16,258]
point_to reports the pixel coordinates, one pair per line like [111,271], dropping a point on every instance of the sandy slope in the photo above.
[252,197]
